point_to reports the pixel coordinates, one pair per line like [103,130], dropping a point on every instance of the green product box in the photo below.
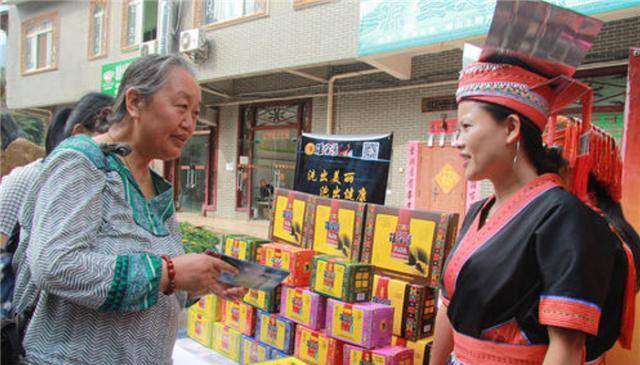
[268,301]
[342,279]
[242,247]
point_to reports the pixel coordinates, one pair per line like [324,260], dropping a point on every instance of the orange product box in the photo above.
[286,257]
[239,316]
[315,347]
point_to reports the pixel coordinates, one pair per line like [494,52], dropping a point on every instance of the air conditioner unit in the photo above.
[148,48]
[194,45]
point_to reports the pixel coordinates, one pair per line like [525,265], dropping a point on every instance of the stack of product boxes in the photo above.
[360,289]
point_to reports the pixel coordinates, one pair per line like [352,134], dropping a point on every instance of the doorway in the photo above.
[267,152]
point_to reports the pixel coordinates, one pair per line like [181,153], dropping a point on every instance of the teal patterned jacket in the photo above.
[89,262]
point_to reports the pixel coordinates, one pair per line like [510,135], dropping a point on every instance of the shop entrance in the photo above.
[267,153]
[192,173]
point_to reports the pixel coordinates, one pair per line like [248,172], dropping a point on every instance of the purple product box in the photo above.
[390,355]
[367,325]
[303,306]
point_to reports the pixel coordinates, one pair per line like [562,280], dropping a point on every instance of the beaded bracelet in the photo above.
[171,271]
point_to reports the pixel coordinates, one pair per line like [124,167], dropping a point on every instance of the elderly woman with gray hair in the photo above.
[101,266]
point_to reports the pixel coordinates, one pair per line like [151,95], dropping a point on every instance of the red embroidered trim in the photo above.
[475,238]
[474,351]
[568,313]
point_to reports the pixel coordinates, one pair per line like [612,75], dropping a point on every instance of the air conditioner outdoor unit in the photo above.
[148,48]
[194,45]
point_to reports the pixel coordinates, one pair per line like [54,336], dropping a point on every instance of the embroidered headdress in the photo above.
[527,62]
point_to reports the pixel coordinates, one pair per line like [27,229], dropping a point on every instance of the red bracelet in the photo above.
[171,271]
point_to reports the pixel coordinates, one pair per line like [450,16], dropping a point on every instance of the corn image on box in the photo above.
[210,306]
[390,355]
[200,327]
[283,361]
[239,316]
[226,341]
[414,306]
[304,307]
[268,301]
[242,247]
[366,325]
[339,278]
[337,227]
[286,257]
[275,331]
[289,208]
[421,348]
[252,351]
[409,243]
[315,347]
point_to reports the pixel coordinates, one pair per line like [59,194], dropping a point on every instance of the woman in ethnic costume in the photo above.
[536,276]
[100,263]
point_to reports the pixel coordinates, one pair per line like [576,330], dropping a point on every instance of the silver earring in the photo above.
[515,158]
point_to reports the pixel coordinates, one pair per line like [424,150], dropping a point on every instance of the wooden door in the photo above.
[441,182]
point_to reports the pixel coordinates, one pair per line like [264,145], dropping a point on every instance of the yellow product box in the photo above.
[289,211]
[421,348]
[341,279]
[209,305]
[408,243]
[414,306]
[226,341]
[240,316]
[336,229]
[200,328]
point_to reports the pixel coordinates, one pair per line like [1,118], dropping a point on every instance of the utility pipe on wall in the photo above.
[332,80]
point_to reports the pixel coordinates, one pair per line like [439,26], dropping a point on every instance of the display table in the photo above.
[189,352]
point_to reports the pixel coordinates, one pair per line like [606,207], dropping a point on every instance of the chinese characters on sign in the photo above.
[340,191]
[341,167]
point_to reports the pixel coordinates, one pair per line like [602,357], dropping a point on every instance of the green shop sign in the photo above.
[112,75]
[391,25]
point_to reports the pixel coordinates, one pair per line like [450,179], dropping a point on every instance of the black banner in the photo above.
[352,168]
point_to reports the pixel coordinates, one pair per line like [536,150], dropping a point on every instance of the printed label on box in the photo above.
[347,322]
[236,248]
[329,233]
[298,306]
[272,331]
[359,357]
[278,259]
[329,278]
[314,347]
[288,219]
[392,245]
[257,298]
[253,352]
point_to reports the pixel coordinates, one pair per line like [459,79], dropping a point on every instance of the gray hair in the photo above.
[146,75]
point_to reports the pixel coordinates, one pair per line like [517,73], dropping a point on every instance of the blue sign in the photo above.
[391,25]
